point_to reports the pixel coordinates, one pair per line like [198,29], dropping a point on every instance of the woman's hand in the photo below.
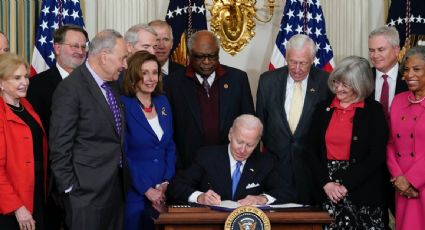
[400,183]
[24,218]
[155,196]
[335,191]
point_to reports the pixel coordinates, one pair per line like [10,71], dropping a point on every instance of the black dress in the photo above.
[9,222]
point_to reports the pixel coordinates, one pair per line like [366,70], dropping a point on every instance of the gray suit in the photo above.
[288,148]
[85,153]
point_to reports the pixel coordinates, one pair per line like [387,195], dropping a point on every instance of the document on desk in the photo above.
[229,205]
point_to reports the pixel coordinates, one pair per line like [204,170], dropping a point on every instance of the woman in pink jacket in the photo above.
[406,148]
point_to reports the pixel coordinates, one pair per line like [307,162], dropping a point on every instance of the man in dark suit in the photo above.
[286,99]
[383,53]
[69,43]
[86,129]
[205,98]
[164,46]
[213,175]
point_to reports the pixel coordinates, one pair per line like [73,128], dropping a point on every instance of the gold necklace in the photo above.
[20,109]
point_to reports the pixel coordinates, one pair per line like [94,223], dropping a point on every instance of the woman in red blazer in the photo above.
[23,150]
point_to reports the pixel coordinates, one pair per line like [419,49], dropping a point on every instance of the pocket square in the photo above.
[252,185]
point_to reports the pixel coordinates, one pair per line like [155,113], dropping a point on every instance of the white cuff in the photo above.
[193,198]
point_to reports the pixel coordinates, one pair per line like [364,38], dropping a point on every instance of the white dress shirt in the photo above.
[392,80]
[289,91]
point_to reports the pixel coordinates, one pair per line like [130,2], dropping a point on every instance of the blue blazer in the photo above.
[151,161]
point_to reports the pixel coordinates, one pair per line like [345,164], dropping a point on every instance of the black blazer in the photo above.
[288,148]
[234,99]
[40,93]
[366,178]
[211,170]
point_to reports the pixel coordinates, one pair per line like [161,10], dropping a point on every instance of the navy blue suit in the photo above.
[151,161]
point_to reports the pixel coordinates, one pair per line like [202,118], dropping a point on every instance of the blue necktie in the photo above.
[235,178]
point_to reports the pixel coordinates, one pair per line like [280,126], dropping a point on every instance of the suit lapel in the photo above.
[309,100]
[225,92]
[189,92]
[139,117]
[223,174]
[282,78]
[246,177]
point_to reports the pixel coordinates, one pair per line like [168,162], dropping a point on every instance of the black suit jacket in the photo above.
[288,148]
[40,93]
[172,67]
[85,150]
[234,99]
[400,85]
[211,170]
[366,178]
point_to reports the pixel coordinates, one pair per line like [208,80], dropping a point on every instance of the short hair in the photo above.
[354,71]
[131,34]
[248,121]
[194,36]
[9,62]
[416,50]
[104,40]
[7,40]
[390,34]
[299,41]
[161,23]
[134,73]
[60,33]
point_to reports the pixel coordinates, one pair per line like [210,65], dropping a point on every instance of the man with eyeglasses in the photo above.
[164,46]
[4,43]
[70,47]
[286,99]
[205,98]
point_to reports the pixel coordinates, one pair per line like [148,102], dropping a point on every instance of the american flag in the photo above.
[185,17]
[303,17]
[53,14]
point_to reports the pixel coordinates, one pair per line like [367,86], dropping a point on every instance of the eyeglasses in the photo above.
[301,64]
[77,46]
[203,57]
[337,84]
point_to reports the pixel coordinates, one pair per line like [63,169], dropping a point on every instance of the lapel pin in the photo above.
[251,169]
[226,86]
[312,90]
[163,113]
[328,109]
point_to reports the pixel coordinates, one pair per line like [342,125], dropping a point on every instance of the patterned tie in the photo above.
[113,105]
[385,95]
[296,106]
[235,178]
[206,85]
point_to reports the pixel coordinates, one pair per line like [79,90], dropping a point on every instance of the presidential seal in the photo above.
[247,218]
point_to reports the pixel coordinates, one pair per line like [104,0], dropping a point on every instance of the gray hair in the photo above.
[131,34]
[416,50]
[248,121]
[104,40]
[161,23]
[390,34]
[194,36]
[355,72]
[299,41]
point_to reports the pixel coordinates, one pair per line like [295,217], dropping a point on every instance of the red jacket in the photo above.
[17,159]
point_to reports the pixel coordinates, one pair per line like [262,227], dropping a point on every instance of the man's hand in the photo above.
[155,196]
[24,218]
[253,200]
[335,191]
[209,198]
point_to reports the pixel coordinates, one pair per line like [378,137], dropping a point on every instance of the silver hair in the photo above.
[354,71]
[299,41]
[416,50]
[131,34]
[104,40]
[194,36]
[390,34]
[161,23]
[248,121]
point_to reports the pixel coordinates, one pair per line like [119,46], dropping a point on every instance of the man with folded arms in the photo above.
[231,172]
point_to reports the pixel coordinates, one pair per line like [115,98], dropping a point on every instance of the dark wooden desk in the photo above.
[204,218]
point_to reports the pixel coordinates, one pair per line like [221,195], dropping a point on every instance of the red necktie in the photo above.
[385,95]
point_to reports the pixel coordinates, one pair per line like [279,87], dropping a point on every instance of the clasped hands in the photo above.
[402,185]
[335,191]
[212,198]
[157,195]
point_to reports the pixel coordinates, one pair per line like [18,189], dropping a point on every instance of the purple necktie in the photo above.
[113,105]
[385,95]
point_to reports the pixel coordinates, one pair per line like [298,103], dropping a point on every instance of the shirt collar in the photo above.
[336,104]
[392,73]
[231,159]
[62,71]
[165,67]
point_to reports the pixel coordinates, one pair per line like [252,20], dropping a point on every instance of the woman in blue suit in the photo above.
[149,147]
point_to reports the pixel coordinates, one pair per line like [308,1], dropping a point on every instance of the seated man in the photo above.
[231,172]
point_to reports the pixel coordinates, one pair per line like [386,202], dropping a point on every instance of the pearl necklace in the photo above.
[413,101]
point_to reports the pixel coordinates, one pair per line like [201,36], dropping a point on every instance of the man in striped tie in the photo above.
[231,172]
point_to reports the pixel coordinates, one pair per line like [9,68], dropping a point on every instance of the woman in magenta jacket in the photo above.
[23,150]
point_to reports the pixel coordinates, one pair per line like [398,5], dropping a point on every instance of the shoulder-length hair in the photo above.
[9,62]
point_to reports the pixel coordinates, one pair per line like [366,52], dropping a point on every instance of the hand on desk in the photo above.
[209,198]
[156,196]
[253,200]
